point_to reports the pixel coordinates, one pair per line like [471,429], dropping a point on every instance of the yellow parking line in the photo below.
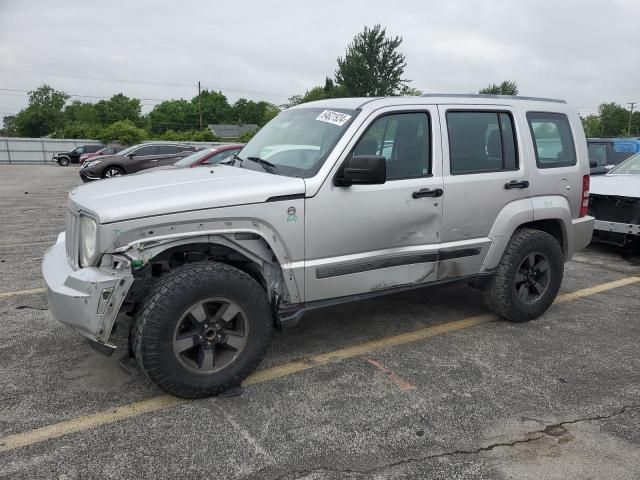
[603,287]
[22,292]
[11,442]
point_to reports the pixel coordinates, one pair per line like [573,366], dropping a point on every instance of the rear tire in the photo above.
[63,161]
[528,277]
[202,329]
[110,172]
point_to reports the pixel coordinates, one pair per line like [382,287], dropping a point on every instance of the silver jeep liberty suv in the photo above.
[332,201]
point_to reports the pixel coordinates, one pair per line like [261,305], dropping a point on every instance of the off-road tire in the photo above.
[500,294]
[162,308]
[63,161]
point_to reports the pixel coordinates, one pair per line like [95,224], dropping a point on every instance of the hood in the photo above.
[177,190]
[155,169]
[616,185]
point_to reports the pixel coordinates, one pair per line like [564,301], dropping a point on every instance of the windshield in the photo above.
[298,141]
[630,166]
[187,161]
[128,150]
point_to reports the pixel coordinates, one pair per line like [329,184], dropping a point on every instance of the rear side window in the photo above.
[552,139]
[168,149]
[598,153]
[481,141]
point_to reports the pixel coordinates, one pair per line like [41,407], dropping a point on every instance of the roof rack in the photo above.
[501,97]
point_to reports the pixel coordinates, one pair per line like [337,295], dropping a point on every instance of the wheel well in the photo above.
[553,228]
[194,252]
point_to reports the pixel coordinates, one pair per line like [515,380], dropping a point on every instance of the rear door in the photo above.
[168,155]
[482,174]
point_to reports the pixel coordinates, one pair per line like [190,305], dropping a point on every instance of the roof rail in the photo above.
[501,97]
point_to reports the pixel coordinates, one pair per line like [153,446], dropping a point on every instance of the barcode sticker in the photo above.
[335,118]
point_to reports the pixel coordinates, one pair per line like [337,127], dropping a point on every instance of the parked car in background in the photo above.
[108,150]
[206,156]
[615,203]
[606,153]
[134,159]
[65,158]
[384,195]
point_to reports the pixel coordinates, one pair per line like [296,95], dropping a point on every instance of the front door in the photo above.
[364,238]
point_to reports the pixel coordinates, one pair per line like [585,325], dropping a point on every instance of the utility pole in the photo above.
[631,105]
[199,105]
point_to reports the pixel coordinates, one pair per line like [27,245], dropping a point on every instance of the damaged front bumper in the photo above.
[88,299]
[617,218]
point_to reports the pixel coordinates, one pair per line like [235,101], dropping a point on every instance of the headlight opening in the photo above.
[88,241]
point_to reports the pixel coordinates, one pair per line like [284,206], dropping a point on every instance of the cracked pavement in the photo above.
[556,398]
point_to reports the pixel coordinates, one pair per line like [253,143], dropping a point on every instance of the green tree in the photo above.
[508,87]
[119,107]
[614,120]
[248,111]
[9,127]
[591,125]
[179,115]
[372,65]
[215,107]
[44,114]
[80,112]
[125,132]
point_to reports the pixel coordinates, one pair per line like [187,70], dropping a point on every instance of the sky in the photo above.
[585,52]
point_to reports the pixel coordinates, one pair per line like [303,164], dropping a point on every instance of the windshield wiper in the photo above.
[267,165]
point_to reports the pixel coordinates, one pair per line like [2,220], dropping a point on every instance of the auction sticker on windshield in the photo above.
[335,118]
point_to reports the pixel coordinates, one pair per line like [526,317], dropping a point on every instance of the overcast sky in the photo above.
[584,51]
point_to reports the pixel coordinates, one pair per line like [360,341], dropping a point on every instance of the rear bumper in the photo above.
[582,233]
[88,299]
[626,228]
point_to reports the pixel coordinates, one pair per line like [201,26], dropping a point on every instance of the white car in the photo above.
[615,203]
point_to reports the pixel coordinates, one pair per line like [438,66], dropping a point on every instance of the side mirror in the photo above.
[593,163]
[131,155]
[362,170]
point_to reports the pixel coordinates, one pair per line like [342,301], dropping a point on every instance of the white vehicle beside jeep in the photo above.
[382,195]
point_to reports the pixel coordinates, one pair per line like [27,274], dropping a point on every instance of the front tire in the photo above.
[202,329]
[110,172]
[528,277]
[63,161]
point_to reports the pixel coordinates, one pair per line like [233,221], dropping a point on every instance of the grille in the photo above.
[615,209]
[71,235]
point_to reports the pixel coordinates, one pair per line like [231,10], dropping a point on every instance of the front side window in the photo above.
[552,139]
[144,151]
[218,157]
[481,141]
[78,150]
[403,139]
[298,141]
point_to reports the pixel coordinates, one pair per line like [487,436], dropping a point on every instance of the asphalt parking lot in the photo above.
[424,384]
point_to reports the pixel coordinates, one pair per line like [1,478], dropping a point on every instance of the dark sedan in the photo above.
[134,159]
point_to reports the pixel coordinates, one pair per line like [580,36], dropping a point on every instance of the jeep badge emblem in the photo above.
[291,211]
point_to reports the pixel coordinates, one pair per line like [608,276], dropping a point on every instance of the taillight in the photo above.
[585,196]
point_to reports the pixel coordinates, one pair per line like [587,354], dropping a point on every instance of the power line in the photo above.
[140,82]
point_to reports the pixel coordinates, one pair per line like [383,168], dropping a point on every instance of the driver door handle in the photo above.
[427,192]
[516,184]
